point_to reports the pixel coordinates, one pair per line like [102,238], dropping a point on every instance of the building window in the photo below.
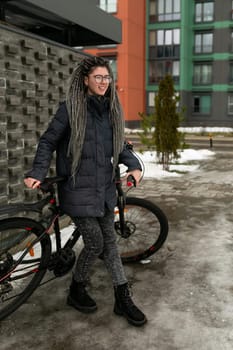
[152,38]
[152,11]
[202,104]
[164,10]
[113,64]
[204,11]
[231,73]
[203,43]
[231,44]
[230,104]
[109,6]
[158,70]
[151,99]
[202,74]
[164,43]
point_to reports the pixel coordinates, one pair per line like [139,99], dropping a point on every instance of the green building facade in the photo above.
[193,41]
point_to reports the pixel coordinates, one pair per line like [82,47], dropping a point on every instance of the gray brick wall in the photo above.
[33,78]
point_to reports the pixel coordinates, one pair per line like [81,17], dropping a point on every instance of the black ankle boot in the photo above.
[124,306]
[79,298]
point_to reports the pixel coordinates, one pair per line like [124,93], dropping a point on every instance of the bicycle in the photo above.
[25,243]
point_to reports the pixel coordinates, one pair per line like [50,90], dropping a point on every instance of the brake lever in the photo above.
[131,181]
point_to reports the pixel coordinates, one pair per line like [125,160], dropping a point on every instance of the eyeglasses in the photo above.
[100,78]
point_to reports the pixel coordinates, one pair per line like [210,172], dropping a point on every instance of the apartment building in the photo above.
[193,41]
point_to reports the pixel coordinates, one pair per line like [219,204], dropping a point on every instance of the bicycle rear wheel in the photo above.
[146,227]
[22,263]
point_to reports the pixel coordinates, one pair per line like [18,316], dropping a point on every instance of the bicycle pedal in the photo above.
[65,261]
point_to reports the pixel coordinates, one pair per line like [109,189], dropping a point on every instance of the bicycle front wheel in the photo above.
[146,229]
[23,261]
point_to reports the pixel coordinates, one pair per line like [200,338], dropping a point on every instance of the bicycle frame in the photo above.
[52,220]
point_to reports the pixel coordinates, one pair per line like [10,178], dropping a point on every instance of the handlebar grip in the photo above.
[129,145]
[131,181]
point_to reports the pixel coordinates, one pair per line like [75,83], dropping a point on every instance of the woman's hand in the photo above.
[31,182]
[137,174]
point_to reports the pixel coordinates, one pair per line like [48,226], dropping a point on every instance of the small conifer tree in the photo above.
[167,120]
[163,124]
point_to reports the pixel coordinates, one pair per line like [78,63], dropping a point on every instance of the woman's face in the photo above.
[98,81]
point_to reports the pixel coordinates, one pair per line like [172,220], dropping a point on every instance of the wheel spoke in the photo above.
[146,227]
[20,261]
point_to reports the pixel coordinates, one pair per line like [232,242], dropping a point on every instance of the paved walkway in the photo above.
[186,289]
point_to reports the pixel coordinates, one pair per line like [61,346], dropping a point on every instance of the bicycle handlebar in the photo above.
[47,185]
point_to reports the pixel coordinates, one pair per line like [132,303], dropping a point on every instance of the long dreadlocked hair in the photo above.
[76,101]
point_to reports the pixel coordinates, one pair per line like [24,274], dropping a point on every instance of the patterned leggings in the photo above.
[99,238]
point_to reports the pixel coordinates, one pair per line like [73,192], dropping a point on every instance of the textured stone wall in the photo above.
[33,78]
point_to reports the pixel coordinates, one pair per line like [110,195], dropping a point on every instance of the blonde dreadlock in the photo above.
[76,101]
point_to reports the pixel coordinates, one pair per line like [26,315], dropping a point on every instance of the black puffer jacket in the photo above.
[93,187]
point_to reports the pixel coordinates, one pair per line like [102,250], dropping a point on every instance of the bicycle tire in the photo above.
[17,283]
[148,230]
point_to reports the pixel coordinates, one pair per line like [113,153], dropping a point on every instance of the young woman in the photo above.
[87,134]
